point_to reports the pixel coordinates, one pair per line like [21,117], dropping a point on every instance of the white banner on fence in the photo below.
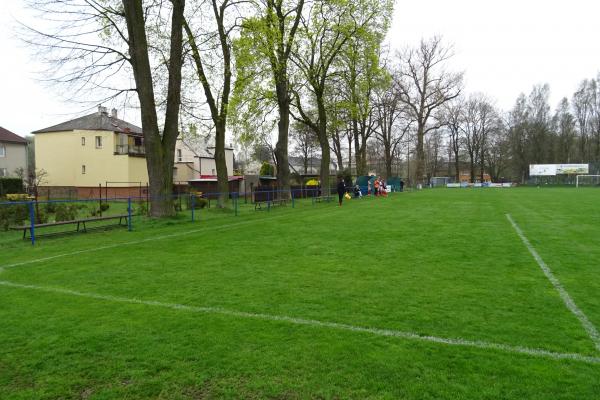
[488,184]
[557,169]
[568,169]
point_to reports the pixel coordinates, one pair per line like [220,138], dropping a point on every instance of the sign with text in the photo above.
[557,169]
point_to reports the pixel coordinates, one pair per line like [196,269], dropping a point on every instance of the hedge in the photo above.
[11,185]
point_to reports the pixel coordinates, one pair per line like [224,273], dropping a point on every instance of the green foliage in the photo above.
[50,207]
[66,212]
[13,215]
[10,185]
[266,169]
[140,208]
[41,217]
[104,207]
[199,202]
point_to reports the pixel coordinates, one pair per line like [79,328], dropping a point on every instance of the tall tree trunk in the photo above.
[388,160]
[456,165]
[281,148]
[338,154]
[482,164]
[350,156]
[221,164]
[324,142]
[160,149]
[472,167]
[420,154]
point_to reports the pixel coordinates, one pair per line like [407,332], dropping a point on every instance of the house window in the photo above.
[179,155]
[2,151]
[98,142]
[83,170]
[3,172]
[82,141]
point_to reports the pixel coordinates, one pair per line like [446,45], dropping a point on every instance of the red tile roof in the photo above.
[8,136]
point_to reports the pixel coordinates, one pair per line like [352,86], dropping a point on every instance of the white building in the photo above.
[197,160]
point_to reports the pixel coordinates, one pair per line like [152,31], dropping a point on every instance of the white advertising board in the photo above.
[568,169]
[542,169]
[557,169]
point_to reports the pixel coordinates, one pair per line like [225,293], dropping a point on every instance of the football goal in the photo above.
[587,180]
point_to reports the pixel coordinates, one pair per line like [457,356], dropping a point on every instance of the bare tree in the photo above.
[582,105]
[393,123]
[452,116]
[564,125]
[306,143]
[424,85]
[472,132]
[497,152]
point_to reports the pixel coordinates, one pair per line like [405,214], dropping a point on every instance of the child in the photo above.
[357,192]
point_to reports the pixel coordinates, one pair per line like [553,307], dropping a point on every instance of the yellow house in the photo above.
[96,149]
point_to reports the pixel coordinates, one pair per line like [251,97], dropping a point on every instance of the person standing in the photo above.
[341,189]
[401,185]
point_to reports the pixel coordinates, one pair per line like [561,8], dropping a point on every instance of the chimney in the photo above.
[102,110]
[113,113]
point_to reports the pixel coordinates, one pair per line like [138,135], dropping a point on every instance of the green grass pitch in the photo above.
[422,295]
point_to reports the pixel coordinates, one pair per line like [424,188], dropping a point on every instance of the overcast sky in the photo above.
[503,46]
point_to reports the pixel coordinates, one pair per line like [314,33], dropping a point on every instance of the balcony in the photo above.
[130,150]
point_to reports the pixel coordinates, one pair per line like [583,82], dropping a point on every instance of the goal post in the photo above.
[587,180]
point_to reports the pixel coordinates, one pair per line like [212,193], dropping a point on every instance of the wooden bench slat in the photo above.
[75,221]
[258,205]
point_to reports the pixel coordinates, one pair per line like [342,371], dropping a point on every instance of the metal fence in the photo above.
[29,219]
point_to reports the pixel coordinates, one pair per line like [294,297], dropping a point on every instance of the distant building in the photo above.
[96,149]
[313,166]
[195,160]
[13,153]
[465,176]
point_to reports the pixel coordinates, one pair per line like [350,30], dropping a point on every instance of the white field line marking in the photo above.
[564,295]
[320,324]
[171,235]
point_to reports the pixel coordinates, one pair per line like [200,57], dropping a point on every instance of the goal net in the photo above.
[587,181]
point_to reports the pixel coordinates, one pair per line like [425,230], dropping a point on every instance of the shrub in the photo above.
[40,216]
[66,212]
[199,202]
[266,169]
[18,197]
[50,208]
[11,185]
[15,214]
[104,206]
[140,208]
